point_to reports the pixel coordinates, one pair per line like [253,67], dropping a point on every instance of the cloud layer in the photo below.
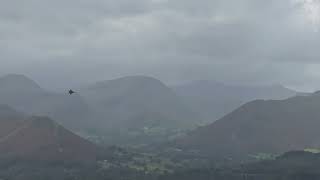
[245,41]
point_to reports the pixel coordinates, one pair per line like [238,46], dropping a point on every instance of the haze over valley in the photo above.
[159,90]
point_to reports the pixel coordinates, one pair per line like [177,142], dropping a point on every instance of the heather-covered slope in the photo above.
[40,138]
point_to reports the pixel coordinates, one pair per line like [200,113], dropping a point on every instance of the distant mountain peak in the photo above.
[137,78]
[129,81]
[133,101]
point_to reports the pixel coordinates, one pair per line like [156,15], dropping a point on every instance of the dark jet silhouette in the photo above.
[71,92]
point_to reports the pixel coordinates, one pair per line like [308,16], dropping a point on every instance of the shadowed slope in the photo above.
[261,127]
[39,138]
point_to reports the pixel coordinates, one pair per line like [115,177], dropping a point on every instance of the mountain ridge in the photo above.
[40,138]
[137,94]
[213,100]
[261,126]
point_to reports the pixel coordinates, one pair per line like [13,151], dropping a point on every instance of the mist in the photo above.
[159,89]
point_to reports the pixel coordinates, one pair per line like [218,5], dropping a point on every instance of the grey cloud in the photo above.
[249,41]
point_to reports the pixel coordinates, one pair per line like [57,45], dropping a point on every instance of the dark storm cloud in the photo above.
[246,41]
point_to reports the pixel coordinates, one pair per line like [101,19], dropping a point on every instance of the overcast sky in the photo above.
[71,42]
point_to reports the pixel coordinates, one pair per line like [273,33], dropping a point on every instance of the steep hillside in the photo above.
[39,138]
[213,100]
[26,96]
[138,102]
[273,126]
[10,119]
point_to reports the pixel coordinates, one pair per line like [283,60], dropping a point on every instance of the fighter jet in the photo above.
[71,92]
